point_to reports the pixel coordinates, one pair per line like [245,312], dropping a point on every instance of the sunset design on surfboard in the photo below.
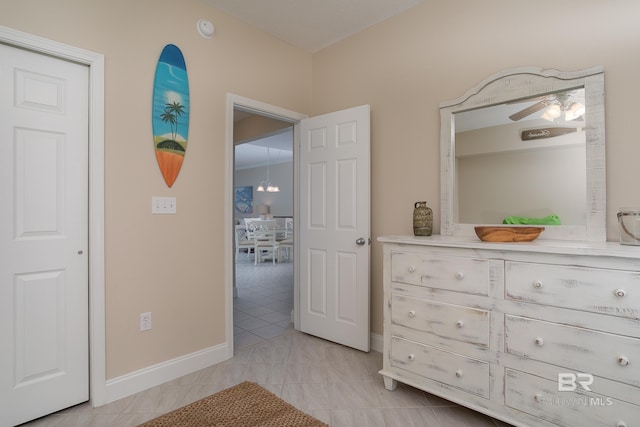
[170,118]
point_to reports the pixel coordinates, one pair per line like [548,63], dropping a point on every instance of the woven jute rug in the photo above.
[244,405]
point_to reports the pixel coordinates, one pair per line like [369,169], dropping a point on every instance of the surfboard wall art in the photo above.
[170,120]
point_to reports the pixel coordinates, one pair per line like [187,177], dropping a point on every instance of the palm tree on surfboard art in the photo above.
[170,119]
[170,115]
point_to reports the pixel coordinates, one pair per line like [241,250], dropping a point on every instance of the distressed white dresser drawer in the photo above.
[458,371]
[612,292]
[584,350]
[466,324]
[459,274]
[540,397]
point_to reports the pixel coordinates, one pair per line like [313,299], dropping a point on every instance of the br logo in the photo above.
[568,381]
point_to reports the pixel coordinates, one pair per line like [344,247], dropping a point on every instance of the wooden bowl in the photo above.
[508,234]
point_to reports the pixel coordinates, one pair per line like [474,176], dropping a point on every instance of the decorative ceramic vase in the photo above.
[422,219]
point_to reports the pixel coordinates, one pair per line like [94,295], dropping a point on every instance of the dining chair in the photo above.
[264,234]
[244,240]
[287,242]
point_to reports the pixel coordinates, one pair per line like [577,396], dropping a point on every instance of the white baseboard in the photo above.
[151,376]
[135,382]
[377,342]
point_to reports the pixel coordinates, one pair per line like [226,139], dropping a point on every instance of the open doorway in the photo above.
[263,178]
[236,103]
[320,306]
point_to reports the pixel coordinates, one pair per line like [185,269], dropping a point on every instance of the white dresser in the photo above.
[535,334]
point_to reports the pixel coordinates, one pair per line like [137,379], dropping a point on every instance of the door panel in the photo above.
[334,215]
[317,184]
[317,279]
[43,234]
[37,195]
[39,324]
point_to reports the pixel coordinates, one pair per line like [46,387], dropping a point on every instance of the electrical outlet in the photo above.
[145,321]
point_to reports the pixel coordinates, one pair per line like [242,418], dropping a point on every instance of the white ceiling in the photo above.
[312,24]
[272,150]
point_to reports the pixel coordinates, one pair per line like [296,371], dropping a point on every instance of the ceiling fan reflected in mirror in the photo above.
[571,103]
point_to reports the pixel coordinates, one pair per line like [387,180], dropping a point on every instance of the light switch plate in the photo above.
[163,205]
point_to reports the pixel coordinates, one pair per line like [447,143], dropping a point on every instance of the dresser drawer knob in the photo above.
[537,284]
[623,360]
[411,357]
[459,275]
[459,323]
[411,269]
[539,342]
[412,313]
[459,373]
[621,424]
[538,397]
[620,293]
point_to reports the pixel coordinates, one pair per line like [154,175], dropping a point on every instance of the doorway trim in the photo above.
[95,62]
[278,113]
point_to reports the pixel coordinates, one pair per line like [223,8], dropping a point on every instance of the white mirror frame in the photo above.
[520,83]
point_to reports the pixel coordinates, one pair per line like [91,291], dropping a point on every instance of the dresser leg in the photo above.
[390,384]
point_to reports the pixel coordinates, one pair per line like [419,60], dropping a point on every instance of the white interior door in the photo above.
[334,226]
[43,235]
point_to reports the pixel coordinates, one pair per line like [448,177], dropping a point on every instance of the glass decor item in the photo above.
[629,222]
[422,219]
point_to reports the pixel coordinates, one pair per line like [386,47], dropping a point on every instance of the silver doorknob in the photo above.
[361,241]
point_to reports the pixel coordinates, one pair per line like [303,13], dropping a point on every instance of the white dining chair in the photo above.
[286,244]
[266,245]
[243,240]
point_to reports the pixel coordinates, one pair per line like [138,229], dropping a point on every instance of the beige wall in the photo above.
[170,265]
[545,176]
[403,68]
[540,183]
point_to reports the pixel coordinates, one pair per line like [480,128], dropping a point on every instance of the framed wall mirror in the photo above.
[526,143]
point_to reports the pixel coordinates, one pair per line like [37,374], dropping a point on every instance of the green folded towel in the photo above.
[547,220]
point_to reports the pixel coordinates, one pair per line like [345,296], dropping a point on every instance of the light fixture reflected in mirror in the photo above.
[552,113]
[266,185]
[576,110]
[570,102]
[563,103]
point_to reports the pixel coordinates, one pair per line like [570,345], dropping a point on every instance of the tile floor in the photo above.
[336,384]
[262,309]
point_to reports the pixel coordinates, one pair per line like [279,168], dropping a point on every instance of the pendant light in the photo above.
[266,185]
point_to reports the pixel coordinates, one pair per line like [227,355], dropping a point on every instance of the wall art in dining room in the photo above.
[243,199]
